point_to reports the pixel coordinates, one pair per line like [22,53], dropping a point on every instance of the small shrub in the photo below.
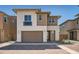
[67,41]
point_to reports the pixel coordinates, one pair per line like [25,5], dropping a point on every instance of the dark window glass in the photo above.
[53,20]
[27,20]
[27,23]
[49,20]
[40,18]
[5,19]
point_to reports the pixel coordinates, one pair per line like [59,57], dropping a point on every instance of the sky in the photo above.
[67,12]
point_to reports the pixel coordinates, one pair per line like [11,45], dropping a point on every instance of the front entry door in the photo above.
[51,36]
[48,40]
[73,35]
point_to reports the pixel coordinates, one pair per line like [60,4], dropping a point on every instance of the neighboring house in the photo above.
[70,29]
[6,27]
[64,27]
[34,25]
[12,27]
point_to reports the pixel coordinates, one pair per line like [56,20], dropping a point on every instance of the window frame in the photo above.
[49,20]
[5,18]
[39,17]
[27,20]
[53,20]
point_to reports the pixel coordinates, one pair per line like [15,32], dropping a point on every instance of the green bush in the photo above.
[67,41]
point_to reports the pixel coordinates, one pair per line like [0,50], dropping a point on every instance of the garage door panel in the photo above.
[32,36]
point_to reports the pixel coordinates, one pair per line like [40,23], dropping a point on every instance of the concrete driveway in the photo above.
[37,48]
[32,49]
[73,47]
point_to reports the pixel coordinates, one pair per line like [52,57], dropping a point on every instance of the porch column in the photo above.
[57,35]
[68,35]
[52,35]
[45,36]
[77,34]
[18,36]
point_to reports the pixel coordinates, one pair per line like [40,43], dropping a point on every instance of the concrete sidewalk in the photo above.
[6,44]
[48,51]
[73,47]
[71,51]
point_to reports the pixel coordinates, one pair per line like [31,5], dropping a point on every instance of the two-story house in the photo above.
[34,25]
[74,32]
[64,27]
[7,27]
[4,27]
[12,27]
[70,29]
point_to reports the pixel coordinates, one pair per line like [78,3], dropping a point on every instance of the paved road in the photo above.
[32,49]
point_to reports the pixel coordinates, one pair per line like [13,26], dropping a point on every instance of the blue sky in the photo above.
[66,11]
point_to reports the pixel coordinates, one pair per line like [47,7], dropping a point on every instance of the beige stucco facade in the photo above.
[42,22]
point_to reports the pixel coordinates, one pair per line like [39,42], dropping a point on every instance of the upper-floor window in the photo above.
[5,18]
[39,17]
[51,20]
[27,20]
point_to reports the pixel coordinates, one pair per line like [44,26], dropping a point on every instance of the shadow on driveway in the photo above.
[29,47]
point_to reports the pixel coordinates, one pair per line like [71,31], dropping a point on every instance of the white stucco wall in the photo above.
[34,27]
[77,34]
[56,29]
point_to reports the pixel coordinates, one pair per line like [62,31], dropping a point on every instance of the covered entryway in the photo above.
[32,36]
[51,36]
[73,35]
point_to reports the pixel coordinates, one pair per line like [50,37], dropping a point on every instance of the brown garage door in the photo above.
[32,36]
